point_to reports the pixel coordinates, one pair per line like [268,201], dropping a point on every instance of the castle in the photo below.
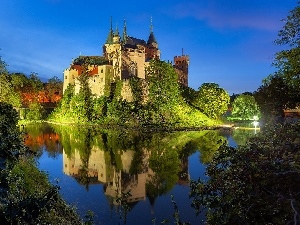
[123,57]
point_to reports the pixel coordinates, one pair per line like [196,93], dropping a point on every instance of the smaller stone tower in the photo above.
[181,64]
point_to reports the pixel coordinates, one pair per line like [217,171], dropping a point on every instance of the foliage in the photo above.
[32,200]
[3,66]
[245,107]
[188,94]
[137,89]
[286,61]
[99,108]
[26,195]
[85,95]
[212,100]
[163,86]
[20,90]
[281,89]
[88,60]
[10,146]
[273,97]
[208,145]
[257,183]
[156,101]
[241,136]
[36,111]
[165,165]
[35,83]
[7,93]
[53,89]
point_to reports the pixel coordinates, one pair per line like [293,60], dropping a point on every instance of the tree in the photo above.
[35,83]
[36,111]
[273,97]
[7,93]
[164,92]
[163,85]
[287,61]
[85,95]
[256,183]
[245,107]
[53,89]
[3,65]
[281,89]
[26,188]
[212,100]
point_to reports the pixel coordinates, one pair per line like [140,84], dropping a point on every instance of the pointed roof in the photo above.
[110,35]
[117,31]
[124,38]
[151,38]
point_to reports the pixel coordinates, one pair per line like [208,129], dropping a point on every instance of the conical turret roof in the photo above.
[151,39]
[124,38]
[110,35]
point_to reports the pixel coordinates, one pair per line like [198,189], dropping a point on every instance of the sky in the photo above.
[229,42]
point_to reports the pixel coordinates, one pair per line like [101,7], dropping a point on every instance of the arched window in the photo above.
[133,69]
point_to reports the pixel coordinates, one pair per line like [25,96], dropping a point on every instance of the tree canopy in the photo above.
[212,100]
[287,61]
[256,183]
[245,107]
[280,90]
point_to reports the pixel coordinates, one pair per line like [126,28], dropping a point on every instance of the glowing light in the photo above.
[255,117]
[255,123]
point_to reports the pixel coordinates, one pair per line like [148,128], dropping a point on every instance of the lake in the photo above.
[127,176]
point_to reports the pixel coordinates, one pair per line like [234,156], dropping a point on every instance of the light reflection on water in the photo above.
[93,168]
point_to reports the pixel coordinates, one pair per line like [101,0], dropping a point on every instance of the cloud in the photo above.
[231,14]
[41,50]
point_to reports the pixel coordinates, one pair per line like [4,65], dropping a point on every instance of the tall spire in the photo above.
[151,40]
[109,39]
[151,25]
[117,30]
[116,36]
[124,38]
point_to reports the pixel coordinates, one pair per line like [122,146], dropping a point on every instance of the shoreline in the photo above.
[162,128]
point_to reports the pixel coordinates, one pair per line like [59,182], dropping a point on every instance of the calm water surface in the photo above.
[96,168]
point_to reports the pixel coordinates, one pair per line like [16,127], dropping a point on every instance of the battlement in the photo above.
[181,59]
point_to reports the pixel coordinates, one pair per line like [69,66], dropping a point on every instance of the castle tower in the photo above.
[151,40]
[152,51]
[112,51]
[181,64]
[116,36]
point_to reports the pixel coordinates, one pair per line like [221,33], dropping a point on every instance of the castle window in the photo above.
[133,68]
[66,77]
[101,70]
[94,80]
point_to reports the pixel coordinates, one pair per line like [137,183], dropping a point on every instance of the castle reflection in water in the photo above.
[146,165]
[116,181]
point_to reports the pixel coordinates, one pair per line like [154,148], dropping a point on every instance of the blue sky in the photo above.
[230,42]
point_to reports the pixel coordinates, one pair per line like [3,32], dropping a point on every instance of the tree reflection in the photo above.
[143,164]
[164,164]
[84,148]
[241,136]
[208,144]
[40,136]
